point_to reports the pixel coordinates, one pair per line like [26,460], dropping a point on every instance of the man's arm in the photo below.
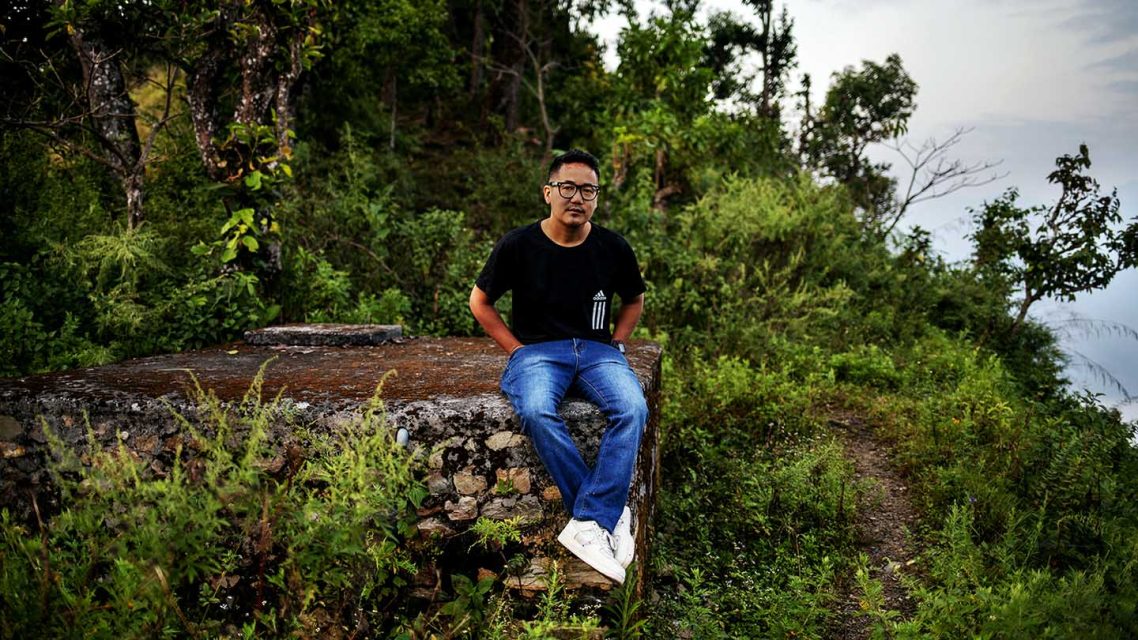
[491,321]
[627,317]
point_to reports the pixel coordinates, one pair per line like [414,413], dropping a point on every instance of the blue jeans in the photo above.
[536,379]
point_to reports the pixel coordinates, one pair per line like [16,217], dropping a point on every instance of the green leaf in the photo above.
[253,180]
[250,243]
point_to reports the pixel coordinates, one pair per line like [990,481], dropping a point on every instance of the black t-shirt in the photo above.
[561,292]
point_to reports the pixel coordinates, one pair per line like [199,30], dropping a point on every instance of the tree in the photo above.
[241,62]
[731,42]
[67,77]
[1071,247]
[661,91]
[862,107]
[873,106]
[516,45]
[242,66]
[536,56]
[383,57]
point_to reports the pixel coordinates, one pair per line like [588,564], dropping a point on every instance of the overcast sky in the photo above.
[1033,79]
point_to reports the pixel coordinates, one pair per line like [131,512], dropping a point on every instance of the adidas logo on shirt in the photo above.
[599,310]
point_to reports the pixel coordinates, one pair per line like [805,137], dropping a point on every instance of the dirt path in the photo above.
[885,517]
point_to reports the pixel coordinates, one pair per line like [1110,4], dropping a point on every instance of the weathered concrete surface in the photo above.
[324,335]
[444,391]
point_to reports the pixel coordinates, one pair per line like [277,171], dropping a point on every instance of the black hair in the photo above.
[574,156]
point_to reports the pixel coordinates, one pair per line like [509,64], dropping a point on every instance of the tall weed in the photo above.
[1033,499]
[755,508]
[241,534]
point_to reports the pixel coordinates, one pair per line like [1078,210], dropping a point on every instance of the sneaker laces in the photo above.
[596,533]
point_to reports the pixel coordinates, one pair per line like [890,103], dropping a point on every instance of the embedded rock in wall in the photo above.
[444,393]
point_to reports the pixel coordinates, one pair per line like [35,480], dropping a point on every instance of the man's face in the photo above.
[574,211]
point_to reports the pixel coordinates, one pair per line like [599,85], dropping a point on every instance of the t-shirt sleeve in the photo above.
[497,275]
[629,282]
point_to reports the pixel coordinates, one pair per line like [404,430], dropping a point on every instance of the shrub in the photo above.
[865,365]
[744,266]
[981,590]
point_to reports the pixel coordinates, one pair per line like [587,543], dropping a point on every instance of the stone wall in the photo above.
[444,392]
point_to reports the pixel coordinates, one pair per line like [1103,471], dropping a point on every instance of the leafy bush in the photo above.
[362,253]
[744,266]
[83,290]
[866,365]
[316,291]
[439,264]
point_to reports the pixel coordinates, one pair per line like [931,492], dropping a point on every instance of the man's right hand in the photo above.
[491,321]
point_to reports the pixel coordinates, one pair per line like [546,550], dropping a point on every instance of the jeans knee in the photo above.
[642,410]
[635,411]
[535,412]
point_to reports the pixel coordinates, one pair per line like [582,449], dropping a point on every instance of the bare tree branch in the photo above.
[171,75]
[537,87]
[52,134]
[1104,376]
[932,174]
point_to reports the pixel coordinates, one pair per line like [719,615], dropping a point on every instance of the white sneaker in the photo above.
[624,543]
[590,542]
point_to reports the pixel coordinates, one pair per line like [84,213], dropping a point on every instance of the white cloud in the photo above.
[973,59]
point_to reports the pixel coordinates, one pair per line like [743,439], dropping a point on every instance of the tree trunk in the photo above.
[621,152]
[256,65]
[1021,316]
[268,62]
[202,79]
[476,51]
[267,80]
[514,84]
[285,84]
[391,99]
[660,198]
[765,53]
[663,191]
[510,99]
[807,122]
[112,116]
[132,187]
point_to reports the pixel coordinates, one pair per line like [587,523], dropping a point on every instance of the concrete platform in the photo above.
[444,392]
[324,335]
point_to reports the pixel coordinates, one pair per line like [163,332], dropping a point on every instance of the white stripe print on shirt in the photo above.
[599,311]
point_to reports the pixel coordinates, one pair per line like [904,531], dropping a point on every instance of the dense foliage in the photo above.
[357,165]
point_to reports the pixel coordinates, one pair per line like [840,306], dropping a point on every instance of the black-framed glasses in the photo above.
[569,189]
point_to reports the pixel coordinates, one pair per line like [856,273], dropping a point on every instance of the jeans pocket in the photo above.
[511,360]
[623,355]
